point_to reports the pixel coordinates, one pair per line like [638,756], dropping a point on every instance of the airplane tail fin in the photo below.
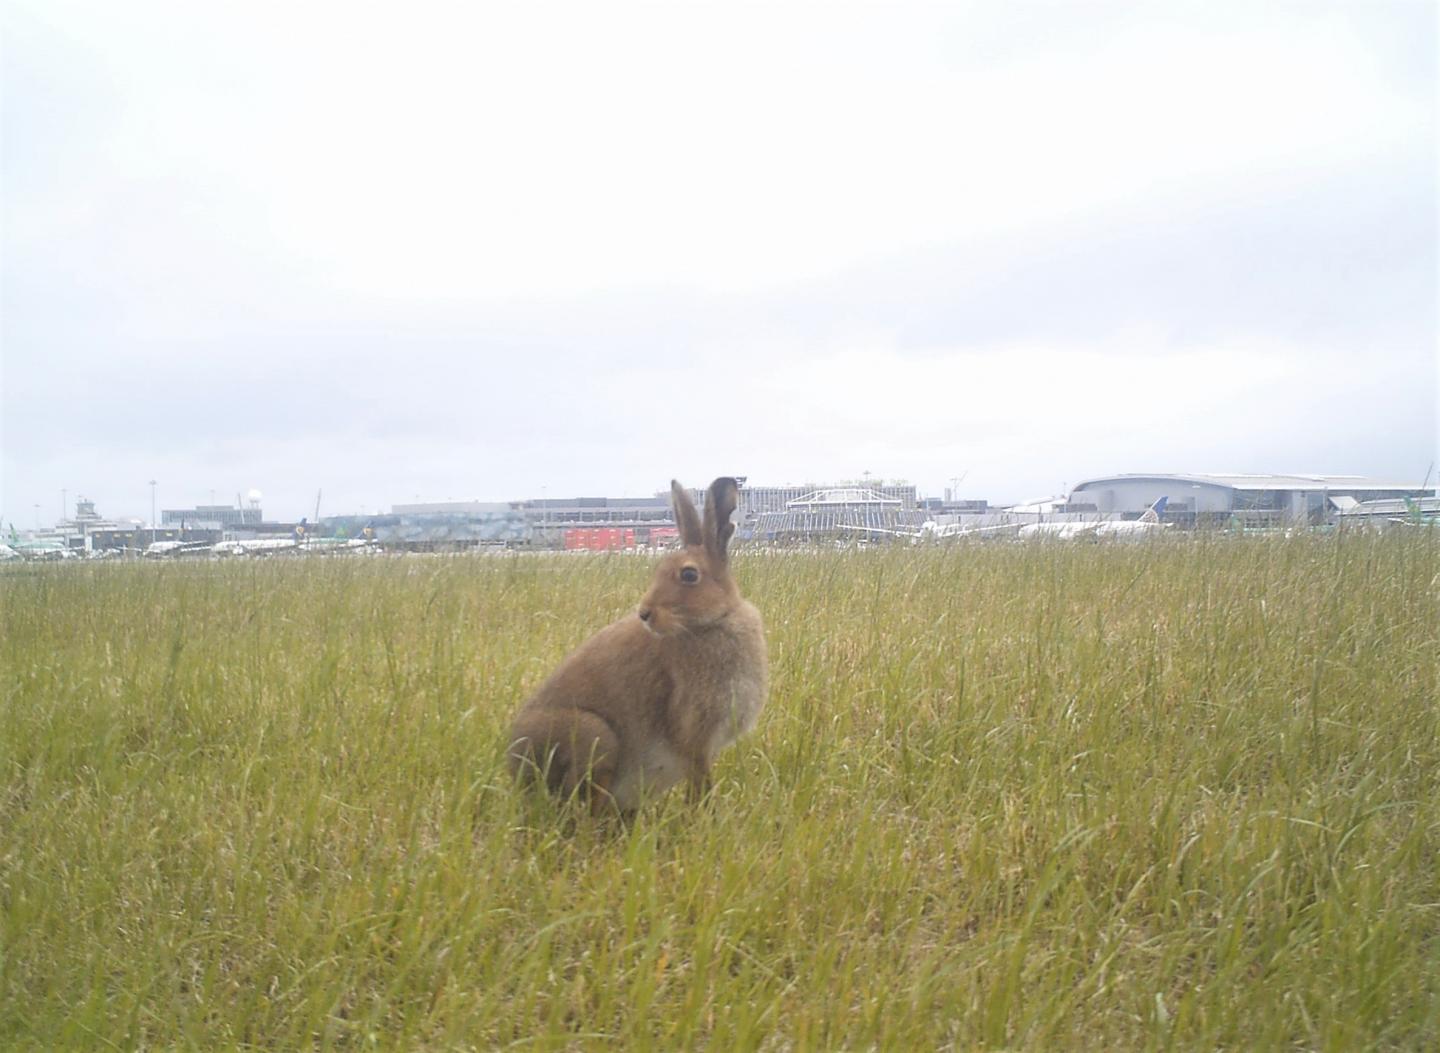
[1152,514]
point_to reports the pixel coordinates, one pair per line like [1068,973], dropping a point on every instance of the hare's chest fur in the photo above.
[740,703]
[707,714]
[720,686]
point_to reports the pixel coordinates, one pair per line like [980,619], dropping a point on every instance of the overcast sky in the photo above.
[471,251]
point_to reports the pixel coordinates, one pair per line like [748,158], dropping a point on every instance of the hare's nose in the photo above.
[644,613]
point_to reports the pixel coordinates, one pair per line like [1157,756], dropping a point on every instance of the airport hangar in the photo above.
[1199,499]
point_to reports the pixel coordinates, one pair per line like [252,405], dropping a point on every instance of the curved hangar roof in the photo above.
[1252,482]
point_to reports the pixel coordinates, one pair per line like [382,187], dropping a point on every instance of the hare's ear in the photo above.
[686,518]
[720,505]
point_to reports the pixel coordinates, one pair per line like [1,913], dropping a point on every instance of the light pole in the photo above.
[37,516]
[152,509]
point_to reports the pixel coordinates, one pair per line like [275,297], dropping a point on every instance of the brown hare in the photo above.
[649,700]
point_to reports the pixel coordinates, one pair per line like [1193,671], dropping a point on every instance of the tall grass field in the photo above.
[1179,794]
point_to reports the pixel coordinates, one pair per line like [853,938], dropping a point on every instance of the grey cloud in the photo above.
[1333,262]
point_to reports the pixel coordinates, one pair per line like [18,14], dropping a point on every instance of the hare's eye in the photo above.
[689,575]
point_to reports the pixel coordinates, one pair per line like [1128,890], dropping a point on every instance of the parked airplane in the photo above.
[1149,523]
[933,531]
[254,546]
[177,548]
[1419,511]
[38,548]
[1100,528]
[327,545]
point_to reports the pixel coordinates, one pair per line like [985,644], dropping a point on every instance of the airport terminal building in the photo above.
[1201,499]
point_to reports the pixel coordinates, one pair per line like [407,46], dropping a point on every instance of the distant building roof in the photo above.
[450,508]
[843,496]
[1039,506]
